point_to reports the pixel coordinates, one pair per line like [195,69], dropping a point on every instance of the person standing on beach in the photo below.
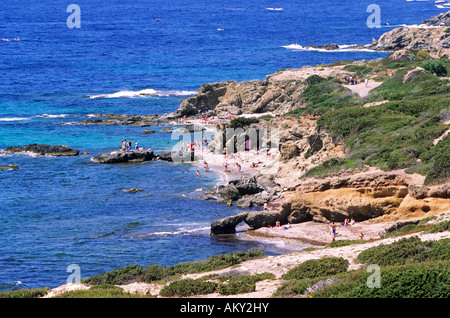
[367,81]
[333,231]
[136,146]
[238,167]
[206,167]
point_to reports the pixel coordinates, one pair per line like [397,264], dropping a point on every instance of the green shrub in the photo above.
[439,227]
[295,287]
[241,284]
[406,250]
[24,293]
[333,166]
[216,262]
[340,243]
[155,272]
[360,70]
[426,280]
[243,121]
[318,268]
[438,67]
[188,287]
[100,291]
[117,277]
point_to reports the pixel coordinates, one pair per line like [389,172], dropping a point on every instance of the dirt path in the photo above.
[361,89]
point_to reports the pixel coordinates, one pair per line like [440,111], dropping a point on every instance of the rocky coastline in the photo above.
[290,181]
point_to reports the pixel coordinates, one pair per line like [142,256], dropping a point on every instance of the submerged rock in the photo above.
[44,150]
[119,156]
[133,190]
[9,167]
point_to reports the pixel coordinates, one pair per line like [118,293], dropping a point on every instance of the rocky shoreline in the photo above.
[298,206]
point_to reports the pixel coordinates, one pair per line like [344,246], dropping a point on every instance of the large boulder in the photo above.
[119,156]
[44,150]
[165,156]
[228,192]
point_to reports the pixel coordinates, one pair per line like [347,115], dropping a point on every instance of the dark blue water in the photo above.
[60,211]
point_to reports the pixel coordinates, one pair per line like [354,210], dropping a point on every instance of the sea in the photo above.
[139,57]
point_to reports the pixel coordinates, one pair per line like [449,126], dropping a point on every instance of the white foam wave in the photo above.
[24,153]
[342,48]
[274,9]
[176,232]
[14,118]
[411,26]
[29,118]
[143,93]
[53,115]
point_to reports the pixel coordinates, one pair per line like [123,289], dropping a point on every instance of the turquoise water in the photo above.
[60,211]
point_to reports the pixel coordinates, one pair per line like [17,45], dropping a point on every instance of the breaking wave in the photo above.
[143,93]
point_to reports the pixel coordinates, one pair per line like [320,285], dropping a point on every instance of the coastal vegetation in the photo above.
[400,132]
[25,293]
[408,268]
[155,272]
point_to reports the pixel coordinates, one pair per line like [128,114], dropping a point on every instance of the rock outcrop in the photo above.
[113,119]
[378,196]
[414,39]
[236,98]
[44,150]
[119,156]
[439,20]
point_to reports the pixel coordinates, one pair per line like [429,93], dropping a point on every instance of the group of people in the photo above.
[127,145]
[353,80]
[347,222]
[193,145]
[350,221]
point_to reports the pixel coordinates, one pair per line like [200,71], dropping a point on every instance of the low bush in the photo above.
[100,291]
[117,277]
[24,293]
[436,66]
[152,273]
[333,166]
[340,243]
[295,287]
[243,121]
[425,280]
[318,268]
[188,287]
[439,227]
[241,284]
[406,250]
